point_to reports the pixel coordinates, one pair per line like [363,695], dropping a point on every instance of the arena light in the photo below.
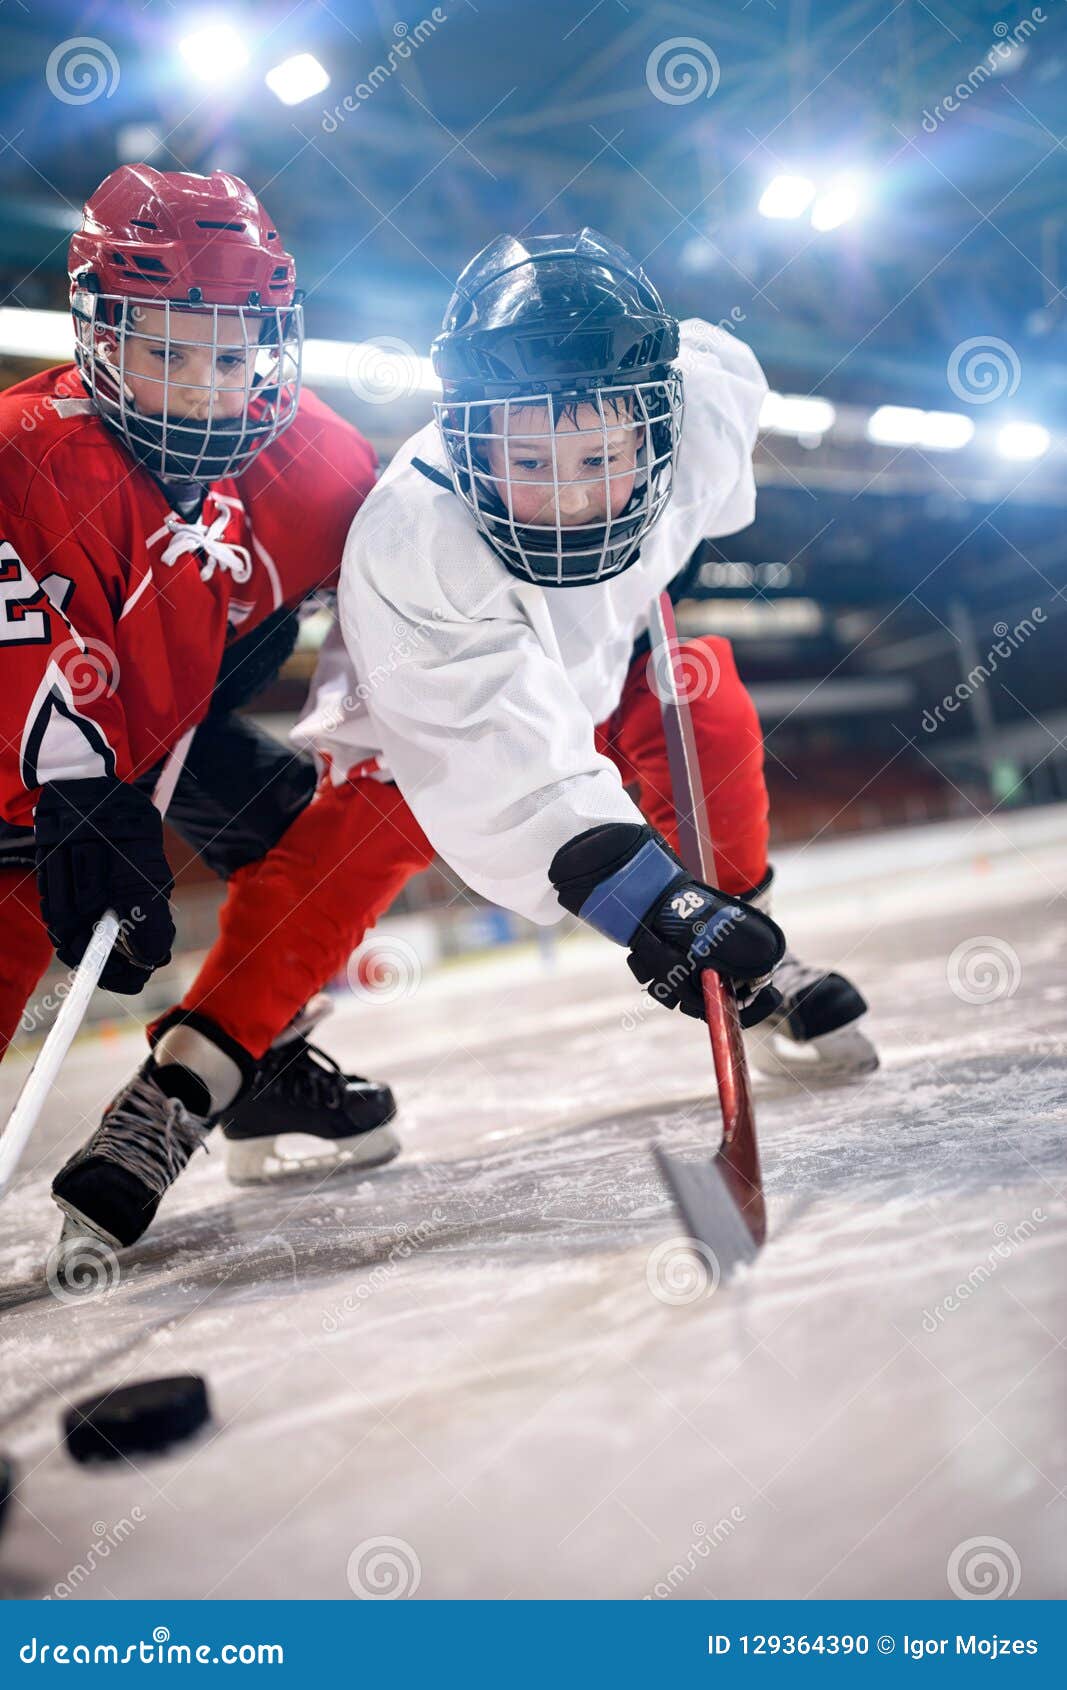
[796,414]
[36,334]
[136,143]
[326,363]
[946,431]
[836,203]
[213,51]
[786,196]
[895,425]
[366,368]
[1020,441]
[297,79]
[903,425]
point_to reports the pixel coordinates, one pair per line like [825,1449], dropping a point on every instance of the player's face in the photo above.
[206,362]
[593,470]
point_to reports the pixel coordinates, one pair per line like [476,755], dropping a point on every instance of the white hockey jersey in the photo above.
[478,693]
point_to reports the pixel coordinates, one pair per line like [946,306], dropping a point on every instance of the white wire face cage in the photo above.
[557,552]
[190,430]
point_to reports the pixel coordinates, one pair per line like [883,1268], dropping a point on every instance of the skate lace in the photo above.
[792,976]
[149,1134]
[312,1076]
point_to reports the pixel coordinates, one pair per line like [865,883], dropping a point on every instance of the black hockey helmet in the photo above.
[560,322]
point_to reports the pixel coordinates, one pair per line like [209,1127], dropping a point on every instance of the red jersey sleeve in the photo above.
[60,713]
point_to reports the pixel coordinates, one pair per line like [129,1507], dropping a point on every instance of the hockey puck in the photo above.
[136,1419]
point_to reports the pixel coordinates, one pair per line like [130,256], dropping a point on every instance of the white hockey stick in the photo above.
[42,1076]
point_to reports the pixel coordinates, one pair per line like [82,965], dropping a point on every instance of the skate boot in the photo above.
[111,1188]
[814,1033]
[304,1116]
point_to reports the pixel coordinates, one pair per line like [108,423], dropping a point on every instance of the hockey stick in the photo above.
[721,1201]
[50,1057]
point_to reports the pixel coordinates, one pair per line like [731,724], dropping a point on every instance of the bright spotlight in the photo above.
[946,431]
[325,362]
[836,204]
[787,196]
[796,414]
[213,52]
[136,143]
[895,425]
[297,79]
[902,425]
[36,334]
[1022,440]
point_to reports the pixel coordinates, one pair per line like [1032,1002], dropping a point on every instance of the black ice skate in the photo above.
[814,1033]
[304,1116]
[112,1187]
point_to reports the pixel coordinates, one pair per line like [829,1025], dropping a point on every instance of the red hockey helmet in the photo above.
[192,268]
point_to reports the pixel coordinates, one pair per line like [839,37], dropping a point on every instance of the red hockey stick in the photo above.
[721,1201]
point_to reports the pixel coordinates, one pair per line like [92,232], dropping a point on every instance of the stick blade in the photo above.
[708,1208]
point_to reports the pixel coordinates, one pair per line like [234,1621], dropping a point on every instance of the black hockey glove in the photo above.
[628,884]
[99,846]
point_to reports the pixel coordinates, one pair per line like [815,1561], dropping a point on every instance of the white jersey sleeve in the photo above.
[470,700]
[724,393]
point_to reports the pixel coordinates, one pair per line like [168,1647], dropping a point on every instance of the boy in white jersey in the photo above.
[491,652]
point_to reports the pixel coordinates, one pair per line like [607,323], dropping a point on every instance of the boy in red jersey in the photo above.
[166,504]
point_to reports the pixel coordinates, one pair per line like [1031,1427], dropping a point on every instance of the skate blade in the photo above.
[77,1227]
[841,1055]
[262,1161]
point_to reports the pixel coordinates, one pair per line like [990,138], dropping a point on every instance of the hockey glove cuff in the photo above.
[627,883]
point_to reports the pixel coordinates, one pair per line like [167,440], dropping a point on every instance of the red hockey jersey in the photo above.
[114,611]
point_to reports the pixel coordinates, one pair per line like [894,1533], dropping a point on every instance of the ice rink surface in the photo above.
[490,1355]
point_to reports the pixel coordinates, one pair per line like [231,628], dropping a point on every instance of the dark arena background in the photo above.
[499,1367]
